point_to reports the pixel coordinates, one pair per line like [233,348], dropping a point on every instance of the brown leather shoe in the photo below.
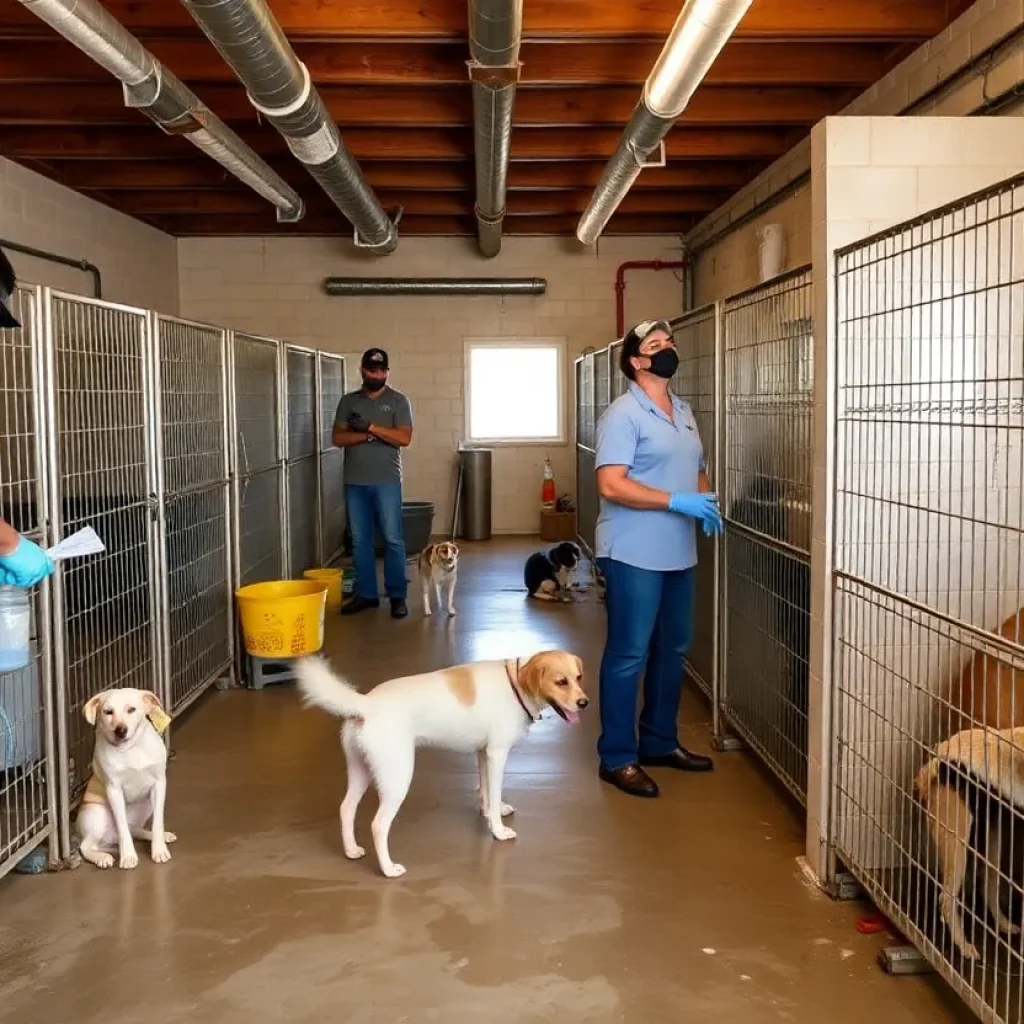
[631,779]
[682,760]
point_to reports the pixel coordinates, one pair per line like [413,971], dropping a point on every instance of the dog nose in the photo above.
[121,731]
[582,703]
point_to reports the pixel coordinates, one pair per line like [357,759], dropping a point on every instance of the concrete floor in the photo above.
[606,909]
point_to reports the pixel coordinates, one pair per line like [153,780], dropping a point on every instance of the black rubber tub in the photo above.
[417,523]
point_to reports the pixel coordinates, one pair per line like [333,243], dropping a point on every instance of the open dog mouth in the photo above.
[572,717]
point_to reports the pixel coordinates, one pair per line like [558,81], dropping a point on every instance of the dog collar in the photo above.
[515,689]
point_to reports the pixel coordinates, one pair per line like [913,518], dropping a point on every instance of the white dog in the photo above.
[439,570]
[126,795]
[485,708]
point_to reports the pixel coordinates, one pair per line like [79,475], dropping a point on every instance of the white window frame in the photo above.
[513,341]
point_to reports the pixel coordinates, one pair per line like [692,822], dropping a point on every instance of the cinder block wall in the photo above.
[273,286]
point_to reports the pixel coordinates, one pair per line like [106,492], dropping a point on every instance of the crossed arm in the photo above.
[397,437]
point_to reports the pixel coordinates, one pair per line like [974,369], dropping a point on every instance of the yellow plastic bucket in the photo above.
[283,619]
[331,578]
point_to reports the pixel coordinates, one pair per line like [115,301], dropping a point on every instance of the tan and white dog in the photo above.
[439,571]
[970,768]
[484,708]
[125,797]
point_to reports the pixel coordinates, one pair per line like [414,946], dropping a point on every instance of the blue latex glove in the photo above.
[703,507]
[25,566]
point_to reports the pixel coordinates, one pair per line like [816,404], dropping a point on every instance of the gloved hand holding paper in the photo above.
[85,542]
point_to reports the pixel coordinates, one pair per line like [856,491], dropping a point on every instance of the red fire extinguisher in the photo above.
[547,487]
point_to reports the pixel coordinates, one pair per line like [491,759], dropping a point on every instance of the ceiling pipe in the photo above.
[150,88]
[620,285]
[435,285]
[495,32]
[701,30]
[252,42]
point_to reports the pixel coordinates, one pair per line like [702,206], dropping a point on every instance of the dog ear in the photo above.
[530,675]
[92,706]
[150,701]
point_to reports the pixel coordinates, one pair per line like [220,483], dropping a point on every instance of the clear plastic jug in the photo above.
[15,628]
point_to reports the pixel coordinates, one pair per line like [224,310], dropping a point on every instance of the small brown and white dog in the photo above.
[484,708]
[439,571]
[974,778]
[125,797]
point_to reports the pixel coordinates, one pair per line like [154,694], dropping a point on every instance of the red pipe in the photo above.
[620,285]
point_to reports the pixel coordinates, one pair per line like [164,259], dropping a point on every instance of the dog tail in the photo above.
[321,687]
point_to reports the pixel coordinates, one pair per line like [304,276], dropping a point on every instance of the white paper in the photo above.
[85,542]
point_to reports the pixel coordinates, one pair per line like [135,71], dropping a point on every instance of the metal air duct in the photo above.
[435,285]
[701,30]
[495,32]
[161,96]
[250,39]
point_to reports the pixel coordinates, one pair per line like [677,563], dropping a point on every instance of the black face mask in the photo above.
[664,363]
[373,385]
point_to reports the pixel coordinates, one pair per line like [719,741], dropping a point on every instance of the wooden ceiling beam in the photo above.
[100,103]
[146,143]
[742,63]
[162,202]
[446,19]
[127,175]
[197,225]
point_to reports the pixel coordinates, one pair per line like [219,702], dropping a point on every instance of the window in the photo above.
[515,391]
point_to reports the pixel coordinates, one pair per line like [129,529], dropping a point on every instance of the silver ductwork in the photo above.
[161,96]
[701,30]
[495,32]
[435,285]
[250,39]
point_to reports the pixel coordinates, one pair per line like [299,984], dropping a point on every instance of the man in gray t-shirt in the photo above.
[373,425]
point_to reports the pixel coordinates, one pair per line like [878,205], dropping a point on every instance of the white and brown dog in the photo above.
[439,571]
[484,708]
[125,797]
[975,778]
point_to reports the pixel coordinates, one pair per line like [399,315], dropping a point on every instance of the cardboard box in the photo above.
[557,526]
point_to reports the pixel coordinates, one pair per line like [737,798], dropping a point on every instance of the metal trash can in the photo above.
[476,493]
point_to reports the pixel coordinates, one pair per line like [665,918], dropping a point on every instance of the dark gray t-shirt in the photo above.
[375,462]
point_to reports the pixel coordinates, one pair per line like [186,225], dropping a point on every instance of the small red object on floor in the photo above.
[872,925]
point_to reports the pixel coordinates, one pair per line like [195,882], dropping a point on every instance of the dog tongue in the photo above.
[572,718]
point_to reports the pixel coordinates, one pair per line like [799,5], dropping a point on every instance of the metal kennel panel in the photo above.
[617,383]
[602,386]
[257,416]
[303,464]
[766,490]
[696,337]
[331,386]
[586,480]
[101,463]
[928,635]
[28,764]
[195,493]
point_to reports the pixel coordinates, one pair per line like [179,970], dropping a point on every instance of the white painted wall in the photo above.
[139,264]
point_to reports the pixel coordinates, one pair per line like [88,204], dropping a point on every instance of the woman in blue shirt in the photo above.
[653,487]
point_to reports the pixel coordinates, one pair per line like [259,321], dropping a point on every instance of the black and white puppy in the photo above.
[549,575]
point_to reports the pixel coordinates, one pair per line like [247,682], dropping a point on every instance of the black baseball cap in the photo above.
[375,359]
[7,282]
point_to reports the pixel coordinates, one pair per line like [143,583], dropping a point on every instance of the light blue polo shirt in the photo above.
[660,452]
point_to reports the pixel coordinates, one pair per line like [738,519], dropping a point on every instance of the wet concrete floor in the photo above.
[606,909]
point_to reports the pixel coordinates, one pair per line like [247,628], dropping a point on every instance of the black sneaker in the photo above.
[399,609]
[357,604]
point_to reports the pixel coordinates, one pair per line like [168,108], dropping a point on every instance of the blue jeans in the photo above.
[650,618]
[381,503]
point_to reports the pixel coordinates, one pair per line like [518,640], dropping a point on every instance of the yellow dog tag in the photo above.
[160,720]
